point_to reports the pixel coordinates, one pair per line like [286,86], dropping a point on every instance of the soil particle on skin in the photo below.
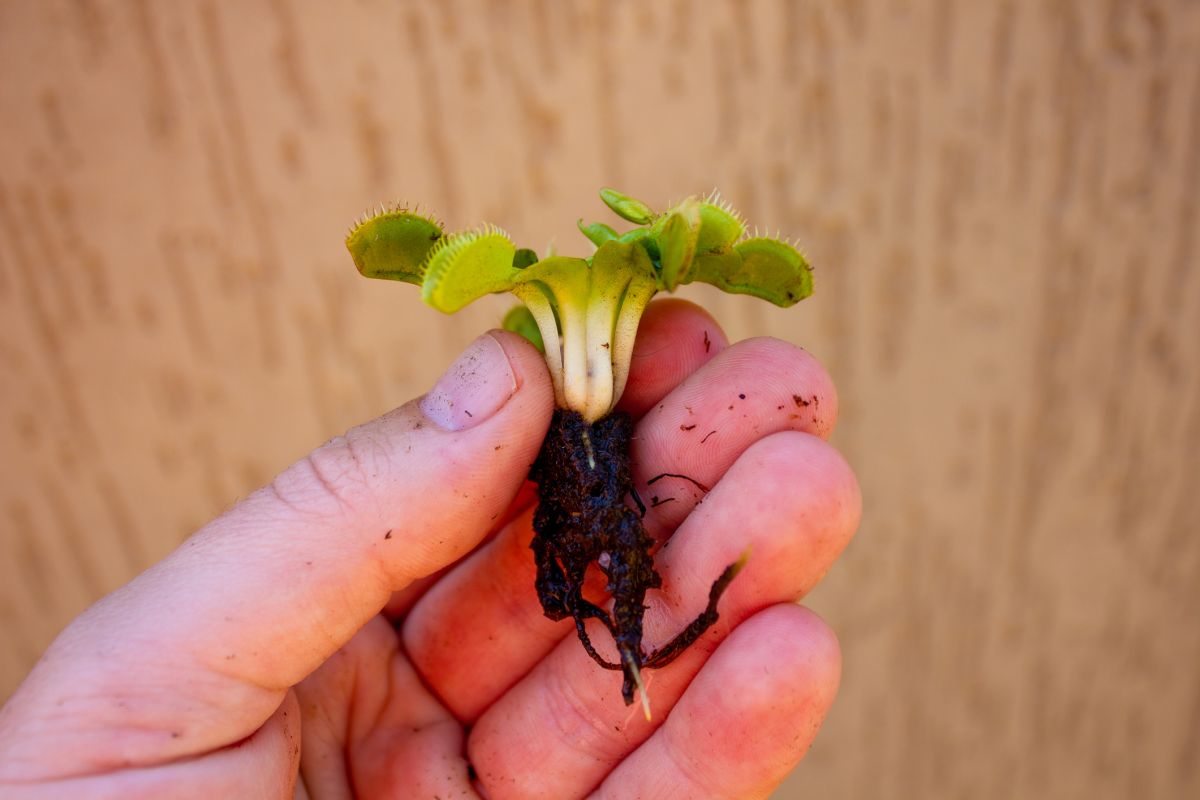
[705,439]
[688,478]
[687,427]
[707,342]
[799,401]
[388,535]
[741,396]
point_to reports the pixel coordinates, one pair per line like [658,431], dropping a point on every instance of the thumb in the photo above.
[261,596]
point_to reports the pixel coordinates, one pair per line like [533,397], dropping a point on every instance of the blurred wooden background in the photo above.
[1002,200]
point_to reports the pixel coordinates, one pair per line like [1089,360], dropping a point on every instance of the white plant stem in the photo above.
[543,313]
[640,290]
[601,314]
[588,330]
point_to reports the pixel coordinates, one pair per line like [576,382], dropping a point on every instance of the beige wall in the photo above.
[1001,199]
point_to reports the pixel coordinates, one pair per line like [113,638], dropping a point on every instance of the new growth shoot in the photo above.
[583,312]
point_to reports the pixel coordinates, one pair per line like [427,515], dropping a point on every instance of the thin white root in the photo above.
[641,687]
[644,695]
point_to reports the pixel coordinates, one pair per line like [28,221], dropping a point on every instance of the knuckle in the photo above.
[577,718]
[336,471]
[336,477]
[697,776]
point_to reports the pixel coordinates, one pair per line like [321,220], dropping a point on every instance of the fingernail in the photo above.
[474,388]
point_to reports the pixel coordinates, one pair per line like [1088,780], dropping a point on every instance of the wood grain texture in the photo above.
[1002,200]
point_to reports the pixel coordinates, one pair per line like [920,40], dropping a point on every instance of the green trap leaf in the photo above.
[393,245]
[466,266]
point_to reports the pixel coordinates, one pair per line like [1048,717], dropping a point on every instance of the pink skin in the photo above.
[257,651]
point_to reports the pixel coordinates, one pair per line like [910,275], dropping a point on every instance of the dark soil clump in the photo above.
[584,516]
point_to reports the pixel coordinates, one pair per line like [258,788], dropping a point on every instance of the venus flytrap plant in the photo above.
[583,314]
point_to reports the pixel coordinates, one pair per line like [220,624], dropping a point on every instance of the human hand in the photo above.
[368,621]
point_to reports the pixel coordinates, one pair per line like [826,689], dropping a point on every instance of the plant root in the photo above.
[583,517]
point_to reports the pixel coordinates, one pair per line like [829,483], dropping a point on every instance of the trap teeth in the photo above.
[394,207]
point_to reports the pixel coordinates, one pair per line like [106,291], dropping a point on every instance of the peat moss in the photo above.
[585,517]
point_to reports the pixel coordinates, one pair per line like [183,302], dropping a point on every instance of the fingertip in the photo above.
[814,488]
[799,659]
[768,688]
[792,500]
[806,470]
[793,374]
